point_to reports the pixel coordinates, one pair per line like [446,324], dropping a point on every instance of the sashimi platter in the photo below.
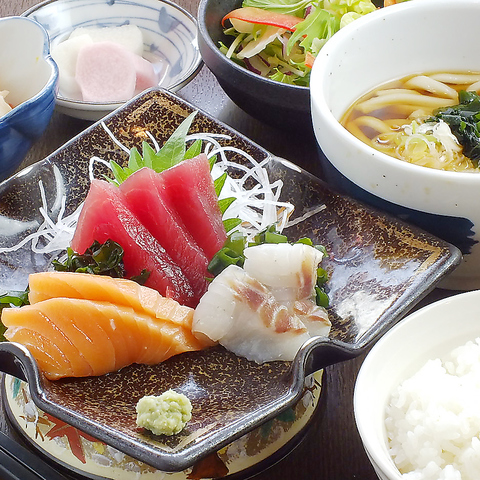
[169,286]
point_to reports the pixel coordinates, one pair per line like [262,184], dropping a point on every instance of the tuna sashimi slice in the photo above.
[105,216]
[98,337]
[146,202]
[188,189]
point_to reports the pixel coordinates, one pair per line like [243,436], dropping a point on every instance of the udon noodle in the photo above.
[393,119]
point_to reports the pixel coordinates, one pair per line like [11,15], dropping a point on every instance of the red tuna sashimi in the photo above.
[144,200]
[188,189]
[105,216]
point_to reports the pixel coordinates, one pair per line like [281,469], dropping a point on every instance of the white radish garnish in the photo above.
[65,55]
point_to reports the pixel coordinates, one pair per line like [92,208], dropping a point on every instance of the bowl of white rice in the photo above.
[417,395]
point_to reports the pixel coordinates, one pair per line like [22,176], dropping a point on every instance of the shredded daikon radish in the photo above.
[257,203]
[310,213]
[53,234]
[114,139]
[258,206]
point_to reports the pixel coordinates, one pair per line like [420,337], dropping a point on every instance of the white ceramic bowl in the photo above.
[429,333]
[169,36]
[30,75]
[411,37]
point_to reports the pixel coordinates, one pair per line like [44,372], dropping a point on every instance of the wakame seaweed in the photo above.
[464,122]
[99,259]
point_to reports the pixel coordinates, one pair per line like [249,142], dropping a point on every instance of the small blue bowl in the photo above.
[30,76]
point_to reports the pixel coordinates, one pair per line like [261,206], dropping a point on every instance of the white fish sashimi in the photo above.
[290,271]
[243,312]
[243,315]
[314,317]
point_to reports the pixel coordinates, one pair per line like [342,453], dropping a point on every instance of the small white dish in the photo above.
[169,35]
[30,76]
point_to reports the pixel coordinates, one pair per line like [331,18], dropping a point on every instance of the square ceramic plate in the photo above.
[379,269]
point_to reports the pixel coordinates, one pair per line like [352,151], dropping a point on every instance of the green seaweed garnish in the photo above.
[98,259]
[16,298]
[464,122]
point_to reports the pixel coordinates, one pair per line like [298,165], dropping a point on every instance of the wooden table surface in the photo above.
[332,449]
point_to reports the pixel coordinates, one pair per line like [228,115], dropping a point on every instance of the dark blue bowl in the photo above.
[274,103]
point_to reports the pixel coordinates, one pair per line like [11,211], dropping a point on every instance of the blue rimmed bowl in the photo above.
[30,76]
[169,36]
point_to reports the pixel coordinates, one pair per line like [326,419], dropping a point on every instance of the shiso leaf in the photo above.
[194,150]
[173,152]
[224,203]
[231,223]
[219,183]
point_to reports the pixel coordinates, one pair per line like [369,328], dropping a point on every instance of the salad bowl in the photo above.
[379,268]
[283,105]
[278,104]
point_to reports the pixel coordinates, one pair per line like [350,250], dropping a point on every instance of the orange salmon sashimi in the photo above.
[102,288]
[72,337]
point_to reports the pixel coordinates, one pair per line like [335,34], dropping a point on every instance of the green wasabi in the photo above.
[166,414]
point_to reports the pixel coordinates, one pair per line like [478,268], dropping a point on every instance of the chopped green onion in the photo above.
[322,299]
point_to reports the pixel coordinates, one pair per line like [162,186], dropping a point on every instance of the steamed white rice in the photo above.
[433,419]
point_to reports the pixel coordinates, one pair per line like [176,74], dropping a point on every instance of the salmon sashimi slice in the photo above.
[188,189]
[90,340]
[96,337]
[40,347]
[120,291]
[167,227]
[106,216]
[33,320]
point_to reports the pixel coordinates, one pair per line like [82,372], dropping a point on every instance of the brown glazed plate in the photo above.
[379,269]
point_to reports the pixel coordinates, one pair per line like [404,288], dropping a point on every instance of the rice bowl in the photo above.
[433,420]
[423,419]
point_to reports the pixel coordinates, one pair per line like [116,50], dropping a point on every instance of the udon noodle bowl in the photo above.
[400,118]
